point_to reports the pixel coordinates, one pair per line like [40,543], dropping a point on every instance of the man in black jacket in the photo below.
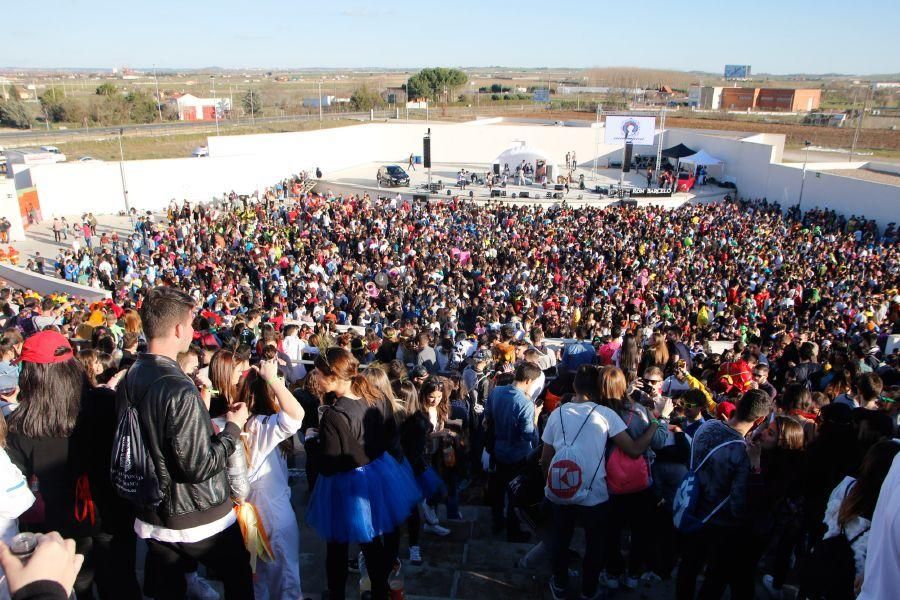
[195,520]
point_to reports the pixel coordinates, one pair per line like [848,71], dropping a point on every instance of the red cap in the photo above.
[41,348]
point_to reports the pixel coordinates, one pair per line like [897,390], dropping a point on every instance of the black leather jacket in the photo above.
[189,457]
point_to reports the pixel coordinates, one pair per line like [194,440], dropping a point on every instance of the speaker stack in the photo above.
[626,162]
[496,168]
[523,195]
[426,151]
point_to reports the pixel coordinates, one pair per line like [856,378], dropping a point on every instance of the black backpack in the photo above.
[829,571]
[132,470]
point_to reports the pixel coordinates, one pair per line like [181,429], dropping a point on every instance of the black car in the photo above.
[392,176]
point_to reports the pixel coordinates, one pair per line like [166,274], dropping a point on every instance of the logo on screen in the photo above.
[630,128]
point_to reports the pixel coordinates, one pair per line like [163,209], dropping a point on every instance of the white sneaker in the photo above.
[768,582]
[415,555]
[435,529]
[428,514]
[199,589]
[611,583]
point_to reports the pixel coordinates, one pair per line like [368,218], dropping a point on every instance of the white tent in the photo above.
[702,158]
[534,156]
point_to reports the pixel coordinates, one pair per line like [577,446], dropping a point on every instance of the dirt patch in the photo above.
[828,137]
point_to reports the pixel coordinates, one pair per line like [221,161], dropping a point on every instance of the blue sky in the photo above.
[785,36]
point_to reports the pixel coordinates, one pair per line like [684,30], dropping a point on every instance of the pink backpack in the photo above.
[625,474]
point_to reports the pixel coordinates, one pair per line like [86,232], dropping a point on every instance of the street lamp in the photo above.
[807,144]
[158,97]
[215,103]
[122,173]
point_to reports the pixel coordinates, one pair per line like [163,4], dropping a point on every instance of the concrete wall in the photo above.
[844,195]
[746,161]
[9,208]
[44,284]
[251,162]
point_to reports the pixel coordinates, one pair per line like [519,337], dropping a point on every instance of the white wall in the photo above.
[9,208]
[245,163]
[747,162]
[844,195]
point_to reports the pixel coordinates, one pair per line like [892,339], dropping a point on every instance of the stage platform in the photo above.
[361,179]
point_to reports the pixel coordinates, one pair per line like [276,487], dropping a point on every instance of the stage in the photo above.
[361,179]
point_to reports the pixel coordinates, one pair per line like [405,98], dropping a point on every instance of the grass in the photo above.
[177,145]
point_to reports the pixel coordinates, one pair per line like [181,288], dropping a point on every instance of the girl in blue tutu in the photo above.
[362,493]
[415,436]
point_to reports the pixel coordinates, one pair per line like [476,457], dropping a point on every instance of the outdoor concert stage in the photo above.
[361,179]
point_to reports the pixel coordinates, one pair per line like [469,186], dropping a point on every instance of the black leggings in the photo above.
[376,554]
[414,526]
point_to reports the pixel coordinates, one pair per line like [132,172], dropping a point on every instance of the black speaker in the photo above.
[549,194]
[420,198]
[495,193]
[426,152]
[557,196]
[496,168]
[503,193]
[523,194]
[471,194]
[626,162]
[513,195]
[559,187]
[631,203]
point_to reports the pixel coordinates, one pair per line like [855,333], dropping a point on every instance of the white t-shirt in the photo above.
[882,576]
[591,443]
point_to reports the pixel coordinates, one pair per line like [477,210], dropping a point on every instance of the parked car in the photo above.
[392,176]
[200,151]
[57,155]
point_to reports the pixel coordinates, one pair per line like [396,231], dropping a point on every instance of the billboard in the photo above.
[737,71]
[637,130]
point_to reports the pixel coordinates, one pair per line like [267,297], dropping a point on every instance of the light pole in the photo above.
[320,104]
[122,174]
[158,97]
[215,103]
[807,144]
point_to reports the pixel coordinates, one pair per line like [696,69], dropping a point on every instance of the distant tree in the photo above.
[252,102]
[14,93]
[14,114]
[431,83]
[496,88]
[495,96]
[141,107]
[107,89]
[364,98]
[52,104]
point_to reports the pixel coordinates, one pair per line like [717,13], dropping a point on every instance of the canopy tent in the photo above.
[702,159]
[678,152]
[539,160]
[707,161]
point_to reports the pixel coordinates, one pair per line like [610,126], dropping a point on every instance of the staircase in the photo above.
[471,563]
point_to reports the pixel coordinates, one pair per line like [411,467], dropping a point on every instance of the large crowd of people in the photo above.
[719,380]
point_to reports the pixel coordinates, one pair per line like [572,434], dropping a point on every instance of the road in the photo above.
[35,136]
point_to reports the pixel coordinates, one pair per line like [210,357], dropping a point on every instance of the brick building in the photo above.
[770,99]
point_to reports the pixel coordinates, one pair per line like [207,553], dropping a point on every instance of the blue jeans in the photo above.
[594,520]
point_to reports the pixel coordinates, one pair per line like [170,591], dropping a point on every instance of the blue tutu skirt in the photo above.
[431,484]
[359,505]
